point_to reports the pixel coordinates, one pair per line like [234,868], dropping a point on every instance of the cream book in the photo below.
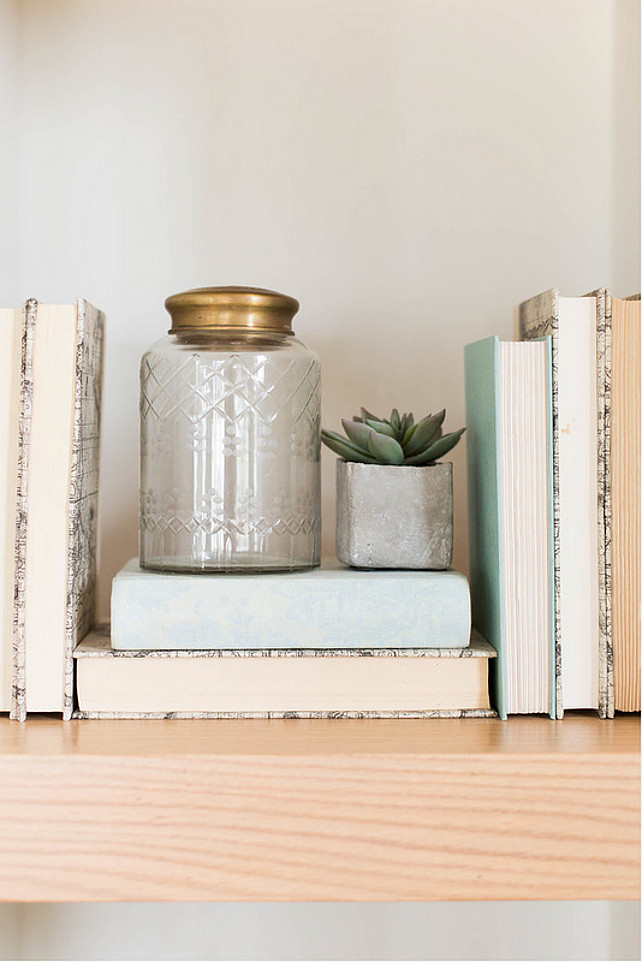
[10,354]
[57,493]
[278,683]
[584,676]
[626,487]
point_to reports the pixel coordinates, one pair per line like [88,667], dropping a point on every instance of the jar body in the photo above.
[230,454]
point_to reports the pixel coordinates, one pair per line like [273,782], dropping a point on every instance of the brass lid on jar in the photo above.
[237,309]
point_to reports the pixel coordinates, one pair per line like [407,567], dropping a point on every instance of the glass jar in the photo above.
[230,437]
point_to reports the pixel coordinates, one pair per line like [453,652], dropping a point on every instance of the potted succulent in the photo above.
[394,501]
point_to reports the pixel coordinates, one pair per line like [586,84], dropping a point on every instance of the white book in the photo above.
[578,503]
[525,504]
[584,665]
[10,355]
[57,490]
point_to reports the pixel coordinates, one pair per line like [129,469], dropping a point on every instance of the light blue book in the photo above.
[509,442]
[329,607]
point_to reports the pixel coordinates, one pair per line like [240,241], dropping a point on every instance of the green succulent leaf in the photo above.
[409,429]
[399,440]
[386,449]
[436,450]
[346,450]
[408,433]
[368,416]
[423,433]
[381,427]
[357,432]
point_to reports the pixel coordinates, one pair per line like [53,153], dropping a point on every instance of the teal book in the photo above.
[329,607]
[509,442]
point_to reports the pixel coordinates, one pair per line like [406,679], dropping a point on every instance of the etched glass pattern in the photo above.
[230,460]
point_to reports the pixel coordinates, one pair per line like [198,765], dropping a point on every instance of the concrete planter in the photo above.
[394,517]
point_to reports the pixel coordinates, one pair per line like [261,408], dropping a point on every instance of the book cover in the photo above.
[18,705]
[11,326]
[282,683]
[603,329]
[83,489]
[626,485]
[484,515]
[55,545]
[540,316]
[507,395]
[328,607]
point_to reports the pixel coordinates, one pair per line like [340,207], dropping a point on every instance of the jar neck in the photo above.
[228,338]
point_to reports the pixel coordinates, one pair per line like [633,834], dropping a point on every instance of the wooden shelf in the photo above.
[320,810]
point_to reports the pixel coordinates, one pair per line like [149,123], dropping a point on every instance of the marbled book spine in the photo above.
[603,367]
[18,693]
[83,490]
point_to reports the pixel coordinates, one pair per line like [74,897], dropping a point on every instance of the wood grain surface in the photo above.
[366,810]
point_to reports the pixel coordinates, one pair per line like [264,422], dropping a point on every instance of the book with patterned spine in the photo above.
[603,358]
[57,501]
[18,701]
[282,682]
[11,327]
[580,332]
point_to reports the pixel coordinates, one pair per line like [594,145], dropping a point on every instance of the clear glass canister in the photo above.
[230,437]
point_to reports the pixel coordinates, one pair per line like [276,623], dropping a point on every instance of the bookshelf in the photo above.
[409,188]
[369,810]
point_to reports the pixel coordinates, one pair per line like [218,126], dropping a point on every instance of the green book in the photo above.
[509,440]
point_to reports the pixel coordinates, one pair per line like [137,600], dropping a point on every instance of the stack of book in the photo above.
[333,642]
[554,504]
[50,388]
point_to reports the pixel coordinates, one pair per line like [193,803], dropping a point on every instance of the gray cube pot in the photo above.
[394,517]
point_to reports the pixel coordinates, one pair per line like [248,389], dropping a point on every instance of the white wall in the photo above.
[9,51]
[410,170]
[625,254]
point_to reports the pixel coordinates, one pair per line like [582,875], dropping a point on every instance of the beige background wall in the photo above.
[9,124]
[409,169]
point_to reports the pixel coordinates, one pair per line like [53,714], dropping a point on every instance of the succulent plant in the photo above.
[397,440]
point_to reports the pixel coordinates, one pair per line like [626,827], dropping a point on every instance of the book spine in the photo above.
[18,693]
[484,504]
[603,347]
[83,491]
[429,713]
[626,485]
[555,667]
[539,317]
